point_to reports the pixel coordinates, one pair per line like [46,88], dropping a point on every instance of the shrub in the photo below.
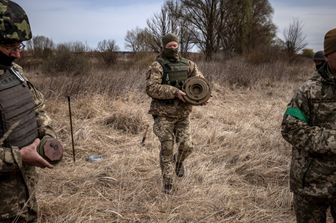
[67,62]
[126,118]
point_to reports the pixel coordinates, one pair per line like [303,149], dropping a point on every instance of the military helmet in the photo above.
[197,90]
[14,23]
[319,56]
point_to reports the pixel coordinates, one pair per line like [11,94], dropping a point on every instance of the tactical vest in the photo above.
[174,73]
[17,108]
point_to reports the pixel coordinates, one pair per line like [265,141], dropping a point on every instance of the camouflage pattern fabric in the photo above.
[313,136]
[160,92]
[18,181]
[313,210]
[14,23]
[309,124]
[171,120]
[170,130]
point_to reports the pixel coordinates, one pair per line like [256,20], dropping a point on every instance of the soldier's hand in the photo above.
[179,94]
[31,157]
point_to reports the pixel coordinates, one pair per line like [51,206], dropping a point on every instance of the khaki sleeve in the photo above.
[297,130]
[10,159]
[195,72]
[154,87]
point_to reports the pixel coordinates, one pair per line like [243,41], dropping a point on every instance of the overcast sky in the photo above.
[91,21]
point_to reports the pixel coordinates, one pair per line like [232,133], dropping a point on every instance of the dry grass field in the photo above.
[238,171]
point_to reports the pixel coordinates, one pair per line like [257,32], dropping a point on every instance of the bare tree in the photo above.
[138,40]
[203,16]
[41,46]
[107,46]
[246,25]
[107,50]
[294,38]
[212,25]
[131,39]
[170,19]
[78,46]
[160,24]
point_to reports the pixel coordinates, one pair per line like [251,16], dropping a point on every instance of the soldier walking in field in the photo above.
[164,81]
[309,124]
[24,125]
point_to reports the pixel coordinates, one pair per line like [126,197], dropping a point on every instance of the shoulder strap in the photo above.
[184,60]
[165,66]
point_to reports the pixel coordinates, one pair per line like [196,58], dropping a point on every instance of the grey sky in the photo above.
[94,20]
[317,17]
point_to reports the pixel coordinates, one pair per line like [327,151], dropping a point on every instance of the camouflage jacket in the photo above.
[17,181]
[161,92]
[309,124]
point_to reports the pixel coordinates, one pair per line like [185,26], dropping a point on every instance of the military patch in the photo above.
[296,113]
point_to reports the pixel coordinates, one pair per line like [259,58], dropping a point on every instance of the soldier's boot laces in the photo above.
[168,188]
[179,168]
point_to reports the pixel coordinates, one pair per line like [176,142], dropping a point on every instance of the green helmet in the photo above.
[14,23]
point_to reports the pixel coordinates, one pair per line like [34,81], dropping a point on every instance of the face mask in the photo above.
[171,53]
[318,66]
[6,60]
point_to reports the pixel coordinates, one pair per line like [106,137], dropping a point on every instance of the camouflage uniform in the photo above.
[309,124]
[18,181]
[22,120]
[171,115]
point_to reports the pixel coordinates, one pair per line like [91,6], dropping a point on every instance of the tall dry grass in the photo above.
[237,173]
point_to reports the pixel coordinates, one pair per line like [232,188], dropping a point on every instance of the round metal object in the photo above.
[197,90]
[51,150]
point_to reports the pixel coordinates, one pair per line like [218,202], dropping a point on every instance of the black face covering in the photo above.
[318,66]
[171,54]
[6,60]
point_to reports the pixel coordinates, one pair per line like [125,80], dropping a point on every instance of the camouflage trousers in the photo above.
[313,209]
[17,196]
[170,130]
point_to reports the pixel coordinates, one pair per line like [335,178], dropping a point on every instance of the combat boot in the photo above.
[179,168]
[168,188]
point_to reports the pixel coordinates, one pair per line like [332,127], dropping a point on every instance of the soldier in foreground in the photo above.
[309,124]
[24,125]
[164,81]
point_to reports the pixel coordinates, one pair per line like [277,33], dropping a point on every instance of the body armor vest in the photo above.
[17,108]
[174,73]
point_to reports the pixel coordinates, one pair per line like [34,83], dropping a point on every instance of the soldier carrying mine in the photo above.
[164,81]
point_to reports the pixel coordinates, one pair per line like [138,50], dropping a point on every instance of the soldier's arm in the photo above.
[10,159]
[195,72]
[297,131]
[43,120]
[154,86]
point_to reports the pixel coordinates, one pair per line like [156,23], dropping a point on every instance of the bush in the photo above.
[264,55]
[65,61]
[126,118]
[308,53]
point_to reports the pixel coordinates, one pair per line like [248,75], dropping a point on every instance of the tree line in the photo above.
[213,27]
[216,27]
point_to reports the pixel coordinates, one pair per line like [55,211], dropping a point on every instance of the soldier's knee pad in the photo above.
[167,148]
